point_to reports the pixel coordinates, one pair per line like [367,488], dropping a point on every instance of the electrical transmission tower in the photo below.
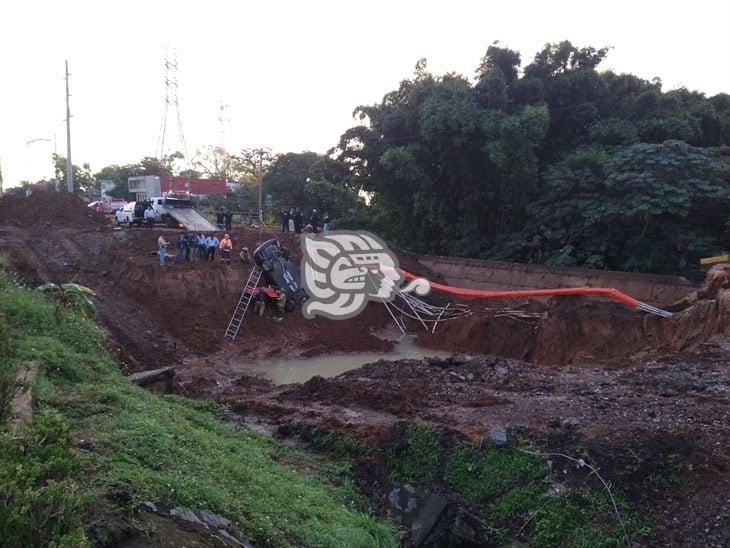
[171,113]
[224,121]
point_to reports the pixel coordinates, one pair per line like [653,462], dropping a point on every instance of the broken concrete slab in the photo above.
[158,381]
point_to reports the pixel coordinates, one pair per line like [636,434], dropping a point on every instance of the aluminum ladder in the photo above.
[243,302]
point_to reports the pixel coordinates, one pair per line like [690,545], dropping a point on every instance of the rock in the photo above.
[183,514]
[498,436]
[402,499]
[214,520]
[85,446]
[571,423]
[149,505]
[156,380]
[427,518]
[230,538]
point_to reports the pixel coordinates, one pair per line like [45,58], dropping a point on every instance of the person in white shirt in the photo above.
[161,250]
[211,242]
[150,217]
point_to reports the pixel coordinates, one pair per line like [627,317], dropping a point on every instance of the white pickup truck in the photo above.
[173,212]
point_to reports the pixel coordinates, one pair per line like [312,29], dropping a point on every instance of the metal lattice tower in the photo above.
[171,111]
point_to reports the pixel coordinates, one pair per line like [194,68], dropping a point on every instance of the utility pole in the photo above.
[69,165]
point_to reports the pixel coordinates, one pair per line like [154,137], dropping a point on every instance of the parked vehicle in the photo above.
[107,205]
[173,211]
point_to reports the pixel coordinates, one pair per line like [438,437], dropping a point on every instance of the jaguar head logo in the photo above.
[344,270]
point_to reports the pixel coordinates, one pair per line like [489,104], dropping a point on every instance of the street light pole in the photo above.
[69,164]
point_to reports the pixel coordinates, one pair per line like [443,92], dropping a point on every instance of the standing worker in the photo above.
[161,250]
[211,243]
[284,218]
[150,216]
[325,223]
[180,247]
[219,217]
[202,247]
[298,220]
[315,221]
[228,218]
[190,242]
[226,246]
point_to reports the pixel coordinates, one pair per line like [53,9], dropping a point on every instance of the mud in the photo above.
[573,374]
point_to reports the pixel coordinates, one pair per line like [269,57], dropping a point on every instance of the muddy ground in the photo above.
[572,374]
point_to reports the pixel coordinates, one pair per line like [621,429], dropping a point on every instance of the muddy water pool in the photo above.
[297,370]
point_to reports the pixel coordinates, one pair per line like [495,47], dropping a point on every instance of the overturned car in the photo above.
[280,271]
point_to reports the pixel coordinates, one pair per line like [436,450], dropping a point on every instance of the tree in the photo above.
[216,163]
[289,177]
[535,166]
[83,179]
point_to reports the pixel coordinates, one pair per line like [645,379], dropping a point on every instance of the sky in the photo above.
[292,72]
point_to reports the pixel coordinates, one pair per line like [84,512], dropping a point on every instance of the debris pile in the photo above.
[49,209]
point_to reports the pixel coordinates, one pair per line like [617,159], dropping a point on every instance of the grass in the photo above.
[165,449]
[418,461]
[511,488]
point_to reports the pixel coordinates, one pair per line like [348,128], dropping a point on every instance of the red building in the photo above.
[202,187]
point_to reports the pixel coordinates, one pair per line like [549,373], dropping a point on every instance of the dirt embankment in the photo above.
[49,210]
[161,316]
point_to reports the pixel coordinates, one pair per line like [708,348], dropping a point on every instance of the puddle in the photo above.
[298,370]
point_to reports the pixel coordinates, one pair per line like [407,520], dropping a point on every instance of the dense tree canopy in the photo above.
[554,161]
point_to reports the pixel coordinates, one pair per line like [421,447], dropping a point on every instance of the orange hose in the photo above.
[611,293]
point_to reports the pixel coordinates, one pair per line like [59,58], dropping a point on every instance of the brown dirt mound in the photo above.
[50,209]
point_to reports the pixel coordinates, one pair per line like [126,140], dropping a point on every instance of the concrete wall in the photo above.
[495,275]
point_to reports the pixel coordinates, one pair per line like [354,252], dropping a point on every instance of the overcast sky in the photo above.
[293,71]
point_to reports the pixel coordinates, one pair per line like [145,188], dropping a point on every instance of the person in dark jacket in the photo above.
[298,221]
[179,247]
[228,218]
[190,243]
[284,218]
[219,217]
[316,221]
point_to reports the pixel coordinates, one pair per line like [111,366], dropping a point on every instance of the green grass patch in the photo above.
[511,487]
[169,450]
[418,461]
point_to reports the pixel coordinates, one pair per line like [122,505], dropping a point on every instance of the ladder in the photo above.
[243,302]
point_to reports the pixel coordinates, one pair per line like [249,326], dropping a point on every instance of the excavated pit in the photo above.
[574,373]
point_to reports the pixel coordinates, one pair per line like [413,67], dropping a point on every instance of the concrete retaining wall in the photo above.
[495,275]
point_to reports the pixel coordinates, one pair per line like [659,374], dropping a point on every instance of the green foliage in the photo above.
[309,181]
[71,296]
[511,486]
[167,449]
[419,459]
[8,383]
[38,469]
[485,475]
[340,445]
[564,165]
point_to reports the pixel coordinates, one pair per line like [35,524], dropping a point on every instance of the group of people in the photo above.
[293,221]
[189,246]
[224,218]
